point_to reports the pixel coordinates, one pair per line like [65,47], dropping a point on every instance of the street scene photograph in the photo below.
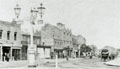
[59,34]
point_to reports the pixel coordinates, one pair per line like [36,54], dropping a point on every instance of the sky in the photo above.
[97,20]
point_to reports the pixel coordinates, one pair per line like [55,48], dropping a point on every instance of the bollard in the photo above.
[56,64]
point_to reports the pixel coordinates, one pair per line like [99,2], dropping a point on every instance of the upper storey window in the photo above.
[8,35]
[1,34]
[15,35]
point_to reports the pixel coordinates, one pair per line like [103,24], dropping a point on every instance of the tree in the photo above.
[88,49]
[94,49]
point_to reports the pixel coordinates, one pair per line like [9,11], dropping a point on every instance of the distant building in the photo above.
[58,37]
[66,39]
[75,45]
[77,42]
[81,41]
[10,40]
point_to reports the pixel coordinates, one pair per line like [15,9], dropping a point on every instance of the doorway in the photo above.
[16,54]
[6,52]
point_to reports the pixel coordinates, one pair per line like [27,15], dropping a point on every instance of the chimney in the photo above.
[60,26]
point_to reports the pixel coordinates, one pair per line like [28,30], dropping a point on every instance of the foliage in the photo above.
[85,48]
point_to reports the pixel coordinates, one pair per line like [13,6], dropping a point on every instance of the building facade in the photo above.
[81,42]
[75,45]
[10,41]
[77,42]
[58,38]
[25,41]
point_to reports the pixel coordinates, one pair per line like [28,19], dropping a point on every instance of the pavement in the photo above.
[81,63]
[22,64]
[12,64]
[77,63]
[115,62]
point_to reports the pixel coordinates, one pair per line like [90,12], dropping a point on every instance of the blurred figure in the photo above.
[67,58]
[90,54]
[7,56]
[38,59]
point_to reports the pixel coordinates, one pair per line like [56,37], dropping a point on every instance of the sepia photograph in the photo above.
[59,34]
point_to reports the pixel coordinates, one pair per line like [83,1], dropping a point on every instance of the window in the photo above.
[38,40]
[28,39]
[53,35]
[64,33]
[8,35]
[67,33]
[1,34]
[15,35]
[43,43]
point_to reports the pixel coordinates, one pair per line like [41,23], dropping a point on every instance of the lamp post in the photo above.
[17,10]
[31,49]
[41,11]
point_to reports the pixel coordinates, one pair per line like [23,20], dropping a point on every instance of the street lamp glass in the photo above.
[41,9]
[33,15]
[34,12]
[17,10]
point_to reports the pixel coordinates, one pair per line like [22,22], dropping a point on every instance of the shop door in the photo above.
[6,51]
[16,54]
[41,52]
[47,52]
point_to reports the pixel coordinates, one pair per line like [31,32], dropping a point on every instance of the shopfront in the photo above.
[67,51]
[9,53]
[24,52]
[43,51]
[59,52]
[16,54]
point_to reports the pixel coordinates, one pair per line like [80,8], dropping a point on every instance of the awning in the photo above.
[58,49]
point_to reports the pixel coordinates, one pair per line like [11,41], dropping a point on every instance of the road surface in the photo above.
[77,63]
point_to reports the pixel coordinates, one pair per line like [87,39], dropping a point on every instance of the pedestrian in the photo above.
[7,56]
[38,59]
[67,58]
[90,55]
[51,54]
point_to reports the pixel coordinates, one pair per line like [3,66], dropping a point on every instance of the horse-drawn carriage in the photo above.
[108,53]
[104,54]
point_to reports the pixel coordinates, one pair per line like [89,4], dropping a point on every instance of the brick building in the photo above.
[57,37]
[10,40]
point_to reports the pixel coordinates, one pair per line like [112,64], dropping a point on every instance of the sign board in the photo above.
[32,47]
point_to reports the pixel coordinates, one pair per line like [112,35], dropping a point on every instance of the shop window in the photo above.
[38,41]
[43,43]
[1,34]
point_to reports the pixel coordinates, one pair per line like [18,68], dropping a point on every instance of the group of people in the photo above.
[86,54]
